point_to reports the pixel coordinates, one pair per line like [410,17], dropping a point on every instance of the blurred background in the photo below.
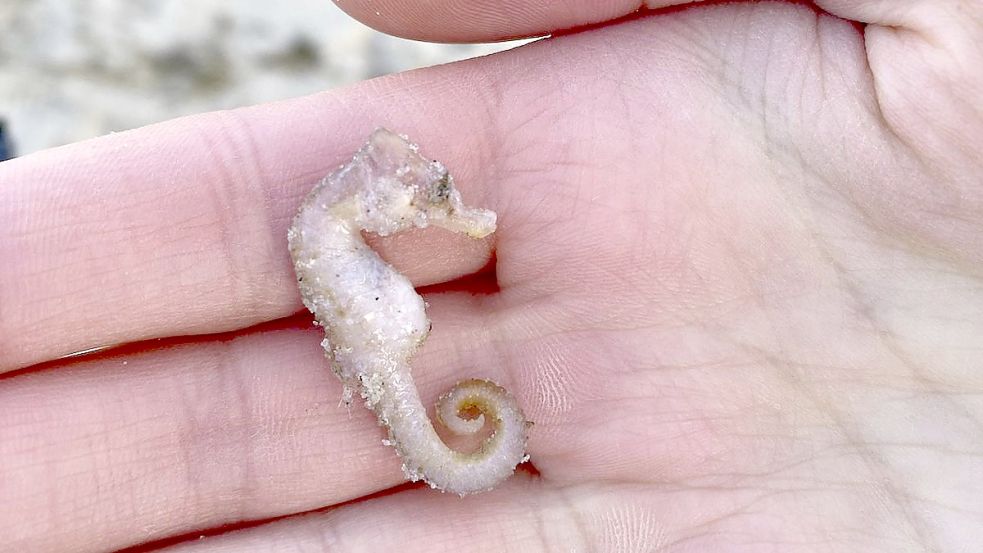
[74,69]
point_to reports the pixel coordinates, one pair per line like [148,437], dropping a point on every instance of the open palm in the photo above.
[737,287]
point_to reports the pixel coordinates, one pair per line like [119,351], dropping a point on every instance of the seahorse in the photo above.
[374,321]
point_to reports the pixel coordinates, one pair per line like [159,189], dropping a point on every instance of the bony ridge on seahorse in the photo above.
[374,321]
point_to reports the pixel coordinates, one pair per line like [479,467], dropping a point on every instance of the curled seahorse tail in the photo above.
[476,398]
[426,457]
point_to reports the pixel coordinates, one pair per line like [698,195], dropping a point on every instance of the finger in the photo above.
[488,20]
[126,449]
[526,515]
[180,228]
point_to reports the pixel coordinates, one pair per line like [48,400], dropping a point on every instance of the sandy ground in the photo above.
[73,69]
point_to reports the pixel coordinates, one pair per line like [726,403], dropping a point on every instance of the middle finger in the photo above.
[126,449]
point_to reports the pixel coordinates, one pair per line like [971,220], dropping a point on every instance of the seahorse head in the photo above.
[407,189]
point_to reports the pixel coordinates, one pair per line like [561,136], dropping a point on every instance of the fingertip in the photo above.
[481,20]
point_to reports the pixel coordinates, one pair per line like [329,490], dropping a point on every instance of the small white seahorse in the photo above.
[374,320]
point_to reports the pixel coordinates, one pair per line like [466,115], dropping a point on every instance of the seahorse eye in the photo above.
[441,190]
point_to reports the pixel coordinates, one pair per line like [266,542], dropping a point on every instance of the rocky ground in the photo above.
[73,69]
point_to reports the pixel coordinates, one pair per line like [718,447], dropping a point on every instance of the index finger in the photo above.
[180,228]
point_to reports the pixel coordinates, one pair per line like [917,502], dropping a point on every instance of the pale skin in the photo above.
[739,291]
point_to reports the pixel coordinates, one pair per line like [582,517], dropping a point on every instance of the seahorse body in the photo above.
[374,320]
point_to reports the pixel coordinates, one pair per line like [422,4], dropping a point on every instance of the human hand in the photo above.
[738,258]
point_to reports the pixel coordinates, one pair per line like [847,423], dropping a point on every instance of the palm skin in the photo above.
[739,268]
